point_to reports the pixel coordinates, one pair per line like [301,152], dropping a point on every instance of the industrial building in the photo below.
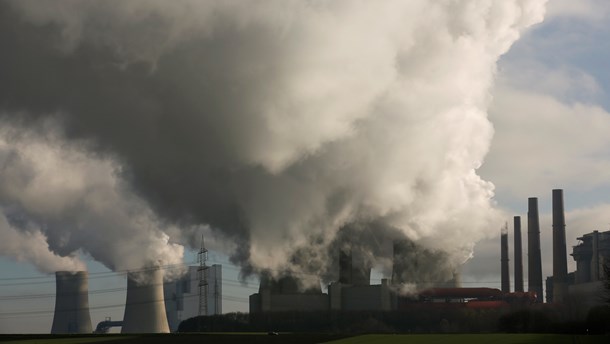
[144,305]
[71,303]
[182,295]
[285,294]
[154,307]
[579,290]
[591,253]
[584,286]
[353,291]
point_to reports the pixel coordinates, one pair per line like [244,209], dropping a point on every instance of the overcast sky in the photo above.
[550,115]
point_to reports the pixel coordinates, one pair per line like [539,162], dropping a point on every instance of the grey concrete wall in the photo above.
[71,303]
[145,306]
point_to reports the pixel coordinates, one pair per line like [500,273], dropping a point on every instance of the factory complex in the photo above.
[154,307]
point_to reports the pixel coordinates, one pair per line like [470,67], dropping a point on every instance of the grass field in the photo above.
[248,338]
[499,338]
[224,338]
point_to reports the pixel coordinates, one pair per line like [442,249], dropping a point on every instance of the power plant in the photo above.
[353,291]
[150,303]
[145,306]
[71,303]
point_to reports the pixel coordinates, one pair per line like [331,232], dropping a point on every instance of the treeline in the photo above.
[527,320]
[548,321]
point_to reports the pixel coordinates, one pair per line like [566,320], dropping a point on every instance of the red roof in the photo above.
[464,293]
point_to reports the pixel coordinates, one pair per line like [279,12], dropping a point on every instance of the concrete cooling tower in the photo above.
[71,303]
[145,306]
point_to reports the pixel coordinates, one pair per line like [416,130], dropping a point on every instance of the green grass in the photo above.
[472,339]
[224,338]
[65,340]
[303,338]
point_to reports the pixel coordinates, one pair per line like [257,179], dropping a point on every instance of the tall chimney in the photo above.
[518,255]
[560,256]
[71,303]
[534,259]
[145,306]
[505,277]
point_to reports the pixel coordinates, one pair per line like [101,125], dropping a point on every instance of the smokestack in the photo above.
[534,259]
[518,255]
[71,303]
[145,306]
[504,259]
[560,256]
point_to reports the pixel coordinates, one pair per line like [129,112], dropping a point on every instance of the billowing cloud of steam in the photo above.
[56,197]
[31,246]
[275,123]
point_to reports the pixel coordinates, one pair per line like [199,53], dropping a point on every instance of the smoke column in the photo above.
[274,124]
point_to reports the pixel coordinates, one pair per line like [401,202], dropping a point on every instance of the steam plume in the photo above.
[57,197]
[275,123]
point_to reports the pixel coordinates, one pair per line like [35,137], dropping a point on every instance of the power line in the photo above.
[8,315]
[95,275]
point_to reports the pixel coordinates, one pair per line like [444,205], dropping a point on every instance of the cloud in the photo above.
[276,124]
[551,121]
[543,143]
[585,10]
[31,246]
[58,198]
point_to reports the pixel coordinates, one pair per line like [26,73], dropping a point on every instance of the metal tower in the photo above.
[202,258]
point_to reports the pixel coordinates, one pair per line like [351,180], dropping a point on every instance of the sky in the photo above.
[547,103]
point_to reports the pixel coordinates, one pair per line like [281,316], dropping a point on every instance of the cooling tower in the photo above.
[71,303]
[145,306]
[518,255]
[560,256]
[505,277]
[534,259]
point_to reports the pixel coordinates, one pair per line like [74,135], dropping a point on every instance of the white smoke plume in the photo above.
[31,246]
[57,198]
[276,123]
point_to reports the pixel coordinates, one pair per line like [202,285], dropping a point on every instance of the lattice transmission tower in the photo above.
[202,258]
